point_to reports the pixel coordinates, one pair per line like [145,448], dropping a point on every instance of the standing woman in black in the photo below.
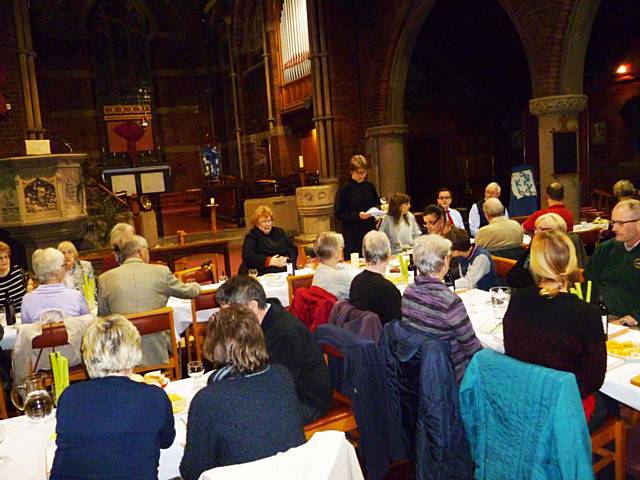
[352,202]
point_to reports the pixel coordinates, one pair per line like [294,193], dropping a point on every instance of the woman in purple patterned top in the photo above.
[430,306]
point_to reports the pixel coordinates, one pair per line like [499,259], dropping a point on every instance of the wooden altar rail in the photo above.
[170,253]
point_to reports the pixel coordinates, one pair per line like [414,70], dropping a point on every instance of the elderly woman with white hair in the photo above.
[51,294]
[370,290]
[111,426]
[78,274]
[431,307]
[328,247]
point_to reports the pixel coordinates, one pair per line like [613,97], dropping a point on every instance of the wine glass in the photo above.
[253,272]
[195,369]
[222,278]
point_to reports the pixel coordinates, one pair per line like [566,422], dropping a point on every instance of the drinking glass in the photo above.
[195,369]
[222,278]
[500,297]
[253,272]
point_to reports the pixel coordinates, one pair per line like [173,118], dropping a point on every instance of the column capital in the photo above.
[393,130]
[557,105]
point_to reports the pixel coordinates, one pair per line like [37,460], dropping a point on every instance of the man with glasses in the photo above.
[477,217]
[454,219]
[614,268]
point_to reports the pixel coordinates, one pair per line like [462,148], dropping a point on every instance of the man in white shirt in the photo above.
[477,219]
[453,216]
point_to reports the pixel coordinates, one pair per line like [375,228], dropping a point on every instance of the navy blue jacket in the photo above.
[360,376]
[491,278]
[425,402]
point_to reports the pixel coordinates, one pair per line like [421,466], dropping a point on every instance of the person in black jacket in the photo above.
[289,343]
[353,200]
[266,248]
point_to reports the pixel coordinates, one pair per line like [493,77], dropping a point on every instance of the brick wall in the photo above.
[13,124]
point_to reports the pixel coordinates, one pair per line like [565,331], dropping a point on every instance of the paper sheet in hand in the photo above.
[375,211]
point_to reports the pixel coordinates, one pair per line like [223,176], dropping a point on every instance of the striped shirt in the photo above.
[12,287]
[431,307]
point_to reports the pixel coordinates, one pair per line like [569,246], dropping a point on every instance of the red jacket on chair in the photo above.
[312,306]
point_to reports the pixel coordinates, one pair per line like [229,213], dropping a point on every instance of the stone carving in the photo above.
[386,130]
[10,207]
[558,104]
[39,196]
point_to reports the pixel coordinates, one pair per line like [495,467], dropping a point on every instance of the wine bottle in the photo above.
[604,313]
[291,271]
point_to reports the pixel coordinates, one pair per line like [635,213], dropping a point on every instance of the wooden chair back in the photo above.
[520,219]
[340,416]
[204,275]
[54,335]
[298,281]
[158,321]
[4,414]
[608,446]
[589,237]
[197,330]
[503,266]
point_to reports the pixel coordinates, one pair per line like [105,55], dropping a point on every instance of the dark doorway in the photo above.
[467,91]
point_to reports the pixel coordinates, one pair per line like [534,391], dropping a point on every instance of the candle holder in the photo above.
[214,221]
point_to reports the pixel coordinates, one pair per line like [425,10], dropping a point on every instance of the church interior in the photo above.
[181,117]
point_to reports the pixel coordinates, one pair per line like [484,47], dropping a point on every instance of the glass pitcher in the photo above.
[37,404]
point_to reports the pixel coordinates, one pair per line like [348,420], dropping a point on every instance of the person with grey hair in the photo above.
[477,218]
[429,306]
[501,233]
[614,267]
[370,290]
[51,294]
[289,343]
[120,234]
[78,274]
[137,286]
[328,247]
[129,422]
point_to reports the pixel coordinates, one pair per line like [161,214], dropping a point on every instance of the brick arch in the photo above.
[541,29]
[574,50]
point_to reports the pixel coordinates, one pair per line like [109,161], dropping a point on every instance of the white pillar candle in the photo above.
[300,161]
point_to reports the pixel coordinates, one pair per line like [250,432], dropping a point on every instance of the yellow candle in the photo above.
[213,201]
[300,161]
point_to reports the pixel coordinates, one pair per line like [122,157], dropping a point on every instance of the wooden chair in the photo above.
[340,415]
[612,430]
[158,321]
[4,414]
[54,335]
[296,282]
[520,219]
[196,331]
[503,266]
[204,275]
[589,238]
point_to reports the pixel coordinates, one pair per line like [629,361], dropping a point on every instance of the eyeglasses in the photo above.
[444,198]
[622,222]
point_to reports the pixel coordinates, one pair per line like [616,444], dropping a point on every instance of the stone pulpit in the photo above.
[42,198]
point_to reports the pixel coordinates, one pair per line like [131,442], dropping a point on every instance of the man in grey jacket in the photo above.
[136,286]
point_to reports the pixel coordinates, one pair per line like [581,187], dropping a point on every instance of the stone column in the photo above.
[385,145]
[315,208]
[558,113]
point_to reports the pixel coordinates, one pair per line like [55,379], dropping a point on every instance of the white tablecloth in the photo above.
[489,331]
[26,445]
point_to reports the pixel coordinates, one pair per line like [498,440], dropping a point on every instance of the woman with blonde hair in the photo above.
[399,224]
[546,325]
[111,426]
[353,201]
[249,409]
[266,248]
[78,274]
